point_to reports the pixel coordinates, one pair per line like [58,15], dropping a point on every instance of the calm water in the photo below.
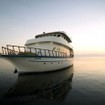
[82,84]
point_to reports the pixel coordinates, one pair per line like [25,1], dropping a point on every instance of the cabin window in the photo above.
[54,34]
[58,35]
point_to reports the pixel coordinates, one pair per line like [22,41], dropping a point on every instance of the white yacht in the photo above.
[46,52]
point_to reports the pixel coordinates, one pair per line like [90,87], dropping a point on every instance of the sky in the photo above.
[82,20]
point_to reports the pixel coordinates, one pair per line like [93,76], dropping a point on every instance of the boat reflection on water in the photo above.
[52,85]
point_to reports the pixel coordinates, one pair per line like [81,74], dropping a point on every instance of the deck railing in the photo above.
[14,50]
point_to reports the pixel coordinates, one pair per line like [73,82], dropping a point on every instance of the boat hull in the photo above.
[39,64]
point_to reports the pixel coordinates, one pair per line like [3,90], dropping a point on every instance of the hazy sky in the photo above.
[82,20]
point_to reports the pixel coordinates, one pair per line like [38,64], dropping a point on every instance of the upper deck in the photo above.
[55,34]
[52,37]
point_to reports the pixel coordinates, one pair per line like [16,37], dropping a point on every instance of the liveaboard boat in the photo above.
[46,52]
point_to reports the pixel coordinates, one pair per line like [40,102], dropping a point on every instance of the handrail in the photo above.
[30,51]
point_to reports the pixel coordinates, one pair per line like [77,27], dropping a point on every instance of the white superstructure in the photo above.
[46,52]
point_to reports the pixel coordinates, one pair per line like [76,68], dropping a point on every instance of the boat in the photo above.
[46,52]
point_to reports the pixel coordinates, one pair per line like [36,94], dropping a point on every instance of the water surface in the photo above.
[82,84]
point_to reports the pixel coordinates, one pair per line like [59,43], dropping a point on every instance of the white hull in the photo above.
[40,64]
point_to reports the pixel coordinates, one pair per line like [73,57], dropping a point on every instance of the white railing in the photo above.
[14,50]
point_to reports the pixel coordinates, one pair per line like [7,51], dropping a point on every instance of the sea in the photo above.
[81,84]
